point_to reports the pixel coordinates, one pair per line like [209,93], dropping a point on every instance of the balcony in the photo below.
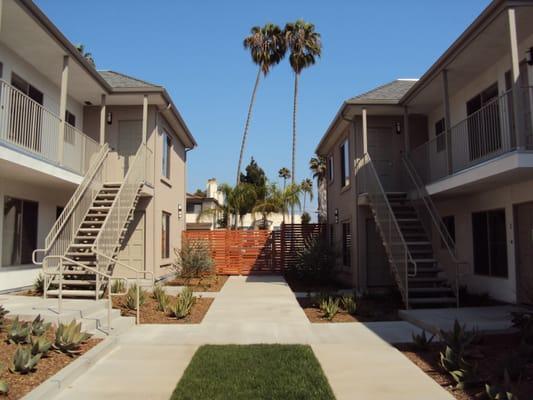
[486,135]
[28,127]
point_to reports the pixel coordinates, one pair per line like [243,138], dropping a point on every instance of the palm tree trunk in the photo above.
[293,176]
[284,187]
[247,124]
[305,195]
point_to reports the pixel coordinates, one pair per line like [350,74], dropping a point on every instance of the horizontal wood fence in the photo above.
[249,252]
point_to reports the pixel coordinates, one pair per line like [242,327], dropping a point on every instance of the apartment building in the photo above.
[430,181]
[92,164]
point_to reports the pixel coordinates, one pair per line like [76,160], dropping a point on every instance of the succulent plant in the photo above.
[161,298]
[69,338]
[463,372]
[19,332]
[38,284]
[40,345]
[495,392]
[38,326]
[329,308]
[458,339]
[183,304]
[4,387]
[131,297]
[349,304]
[23,361]
[3,313]
[118,286]
[421,341]
[465,377]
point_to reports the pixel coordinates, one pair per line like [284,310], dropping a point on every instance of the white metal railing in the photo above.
[400,258]
[27,125]
[430,217]
[485,134]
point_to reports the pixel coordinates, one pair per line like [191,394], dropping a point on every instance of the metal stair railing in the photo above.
[66,226]
[109,238]
[436,221]
[396,247]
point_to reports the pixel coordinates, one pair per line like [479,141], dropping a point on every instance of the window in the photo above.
[29,90]
[70,118]
[167,143]
[490,243]
[449,224]
[345,164]
[440,129]
[19,231]
[346,244]
[165,235]
[70,134]
[330,169]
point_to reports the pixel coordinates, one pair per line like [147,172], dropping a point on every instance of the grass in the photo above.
[238,372]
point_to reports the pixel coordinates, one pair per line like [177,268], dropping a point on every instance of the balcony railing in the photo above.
[485,134]
[28,126]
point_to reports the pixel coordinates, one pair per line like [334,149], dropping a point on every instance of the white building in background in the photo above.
[198,218]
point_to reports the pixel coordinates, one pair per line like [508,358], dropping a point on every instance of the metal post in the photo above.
[62,108]
[365,131]
[447,121]
[109,306]
[102,119]
[145,119]
[45,281]
[515,73]
[60,298]
[138,295]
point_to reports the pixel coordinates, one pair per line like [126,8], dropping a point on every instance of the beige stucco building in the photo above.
[92,163]
[430,181]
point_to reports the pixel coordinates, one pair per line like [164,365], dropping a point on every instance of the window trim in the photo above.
[165,156]
[489,273]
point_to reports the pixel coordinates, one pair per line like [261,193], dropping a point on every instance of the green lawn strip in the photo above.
[284,372]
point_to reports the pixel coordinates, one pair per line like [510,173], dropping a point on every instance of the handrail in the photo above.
[62,258]
[392,225]
[435,218]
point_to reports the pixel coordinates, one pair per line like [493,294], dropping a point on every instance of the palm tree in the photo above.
[304,45]
[291,197]
[272,203]
[267,48]
[88,56]
[318,168]
[307,189]
[285,174]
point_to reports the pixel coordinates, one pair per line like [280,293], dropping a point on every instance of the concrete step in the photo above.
[75,293]
[76,282]
[426,290]
[426,279]
[432,300]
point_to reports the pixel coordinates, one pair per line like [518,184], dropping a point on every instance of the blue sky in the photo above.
[194,49]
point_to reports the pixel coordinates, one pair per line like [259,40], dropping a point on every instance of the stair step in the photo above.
[407,220]
[112,184]
[442,289]
[77,282]
[426,279]
[88,230]
[433,300]
[75,293]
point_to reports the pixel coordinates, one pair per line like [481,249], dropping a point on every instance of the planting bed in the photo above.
[489,355]
[149,313]
[19,385]
[212,283]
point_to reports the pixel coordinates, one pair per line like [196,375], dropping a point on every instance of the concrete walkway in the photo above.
[357,358]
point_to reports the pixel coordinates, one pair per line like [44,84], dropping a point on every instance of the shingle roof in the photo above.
[390,92]
[118,80]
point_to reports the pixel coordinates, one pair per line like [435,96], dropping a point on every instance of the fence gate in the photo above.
[247,252]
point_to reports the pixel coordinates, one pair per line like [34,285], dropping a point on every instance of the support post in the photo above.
[62,108]
[1,13]
[102,119]
[145,118]
[447,120]
[406,130]
[365,132]
[515,74]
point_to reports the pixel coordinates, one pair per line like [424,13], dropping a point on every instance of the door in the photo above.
[380,150]
[378,270]
[19,231]
[132,251]
[524,251]
[129,140]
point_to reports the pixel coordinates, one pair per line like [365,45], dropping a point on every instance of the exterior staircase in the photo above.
[426,286]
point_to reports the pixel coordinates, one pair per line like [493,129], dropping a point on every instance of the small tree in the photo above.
[194,259]
[306,218]
[315,263]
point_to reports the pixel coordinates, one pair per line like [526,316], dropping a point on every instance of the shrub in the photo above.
[421,341]
[315,262]
[349,304]
[38,326]
[329,308]
[38,284]
[23,361]
[19,332]
[69,338]
[194,259]
[4,387]
[40,345]
[131,297]
[183,304]
[458,339]
[3,313]
[161,297]
[118,286]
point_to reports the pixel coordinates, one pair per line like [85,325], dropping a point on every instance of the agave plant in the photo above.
[69,338]
[349,304]
[183,304]
[3,313]
[161,298]
[40,345]
[38,326]
[23,361]
[38,284]
[19,332]
[458,339]
[4,387]
[118,286]
[495,392]
[329,308]
[131,297]
[421,341]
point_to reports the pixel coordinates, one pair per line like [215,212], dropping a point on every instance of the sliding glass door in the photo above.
[19,231]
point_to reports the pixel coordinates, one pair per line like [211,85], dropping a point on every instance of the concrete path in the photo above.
[357,358]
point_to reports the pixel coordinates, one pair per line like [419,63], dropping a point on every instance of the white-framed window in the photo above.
[165,166]
[345,163]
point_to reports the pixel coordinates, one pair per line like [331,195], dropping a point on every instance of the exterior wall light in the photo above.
[109,118]
[398,128]
[336,215]
[180,211]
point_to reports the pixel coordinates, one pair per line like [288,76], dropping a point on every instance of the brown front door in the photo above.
[524,252]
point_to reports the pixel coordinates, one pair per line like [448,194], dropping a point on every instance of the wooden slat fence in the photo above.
[249,252]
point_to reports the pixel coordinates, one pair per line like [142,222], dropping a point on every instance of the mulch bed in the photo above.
[489,355]
[298,285]
[19,385]
[149,314]
[212,283]
[368,310]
